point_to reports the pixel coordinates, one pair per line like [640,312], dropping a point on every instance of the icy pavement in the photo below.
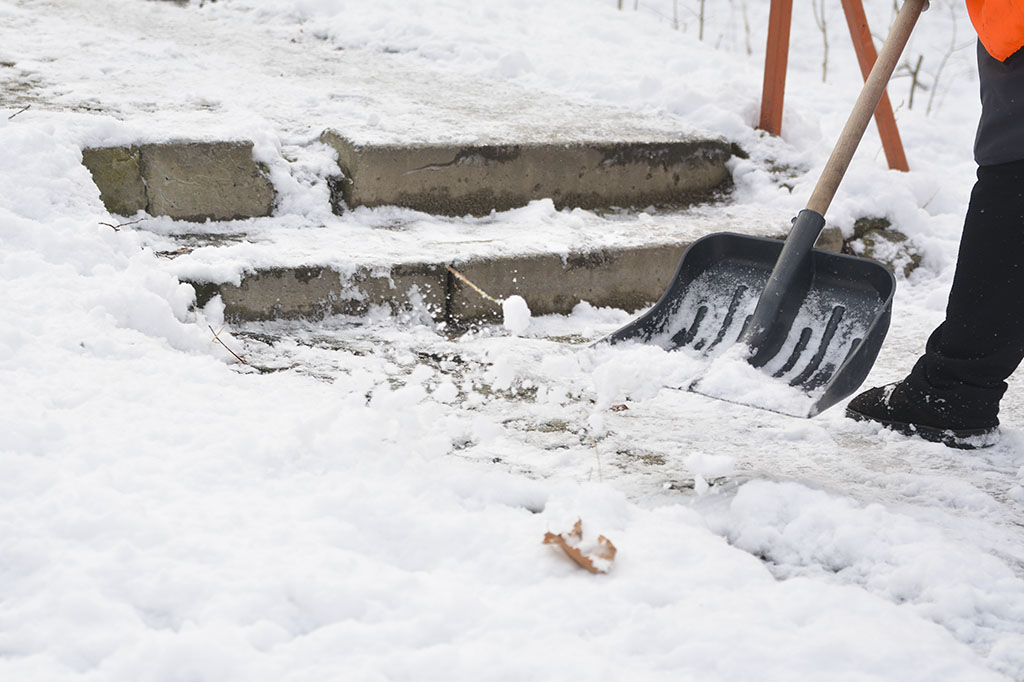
[568,409]
[827,499]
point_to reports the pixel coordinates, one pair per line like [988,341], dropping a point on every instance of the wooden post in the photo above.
[775,60]
[866,55]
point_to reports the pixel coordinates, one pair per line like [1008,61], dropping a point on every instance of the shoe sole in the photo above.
[961,439]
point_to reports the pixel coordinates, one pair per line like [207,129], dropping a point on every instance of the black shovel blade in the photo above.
[821,340]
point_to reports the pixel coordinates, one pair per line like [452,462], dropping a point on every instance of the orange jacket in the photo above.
[1000,25]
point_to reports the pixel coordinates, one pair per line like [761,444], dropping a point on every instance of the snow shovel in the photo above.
[811,321]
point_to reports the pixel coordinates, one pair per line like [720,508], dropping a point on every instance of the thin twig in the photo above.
[746,27]
[20,111]
[473,286]
[945,59]
[117,228]
[216,337]
[915,83]
[820,20]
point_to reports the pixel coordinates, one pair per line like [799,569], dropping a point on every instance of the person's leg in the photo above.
[981,341]
[954,390]
[952,395]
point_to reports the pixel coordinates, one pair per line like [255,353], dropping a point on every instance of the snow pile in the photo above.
[65,270]
[804,532]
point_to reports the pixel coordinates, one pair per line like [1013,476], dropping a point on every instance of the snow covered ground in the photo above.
[366,499]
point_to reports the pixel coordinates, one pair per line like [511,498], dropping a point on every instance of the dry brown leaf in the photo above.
[596,559]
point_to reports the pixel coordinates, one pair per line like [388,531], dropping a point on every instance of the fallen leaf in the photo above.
[596,559]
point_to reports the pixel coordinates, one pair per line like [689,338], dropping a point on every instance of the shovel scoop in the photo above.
[787,327]
[790,328]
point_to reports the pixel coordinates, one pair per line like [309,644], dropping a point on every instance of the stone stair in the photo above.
[194,181]
[447,179]
[626,278]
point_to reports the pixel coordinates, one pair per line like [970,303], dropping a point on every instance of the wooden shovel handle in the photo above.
[860,117]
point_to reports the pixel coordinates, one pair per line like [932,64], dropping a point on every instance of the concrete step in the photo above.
[195,181]
[627,278]
[185,180]
[621,262]
[200,180]
[446,179]
[619,259]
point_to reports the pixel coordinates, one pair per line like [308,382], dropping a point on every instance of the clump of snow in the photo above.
[503,372]
[446,392]
[638,372]
[597,425]
[515,314]
[731,377]
[708,465]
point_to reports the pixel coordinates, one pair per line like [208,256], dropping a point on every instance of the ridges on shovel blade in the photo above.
[827,353]
[814,354]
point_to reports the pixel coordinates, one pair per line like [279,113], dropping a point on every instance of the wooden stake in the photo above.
[776,59]
[863,44]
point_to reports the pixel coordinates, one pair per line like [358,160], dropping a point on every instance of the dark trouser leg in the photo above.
[981,342]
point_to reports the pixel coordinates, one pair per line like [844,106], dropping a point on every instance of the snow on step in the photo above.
[266,269]
[627,278]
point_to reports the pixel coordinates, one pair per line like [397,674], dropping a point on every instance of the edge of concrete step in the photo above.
[184,180]
[627,278]
[220,180]
[453,179]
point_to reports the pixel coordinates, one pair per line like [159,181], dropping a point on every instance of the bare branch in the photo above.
[20,111]
[117,228]
[818,6]
[216,337]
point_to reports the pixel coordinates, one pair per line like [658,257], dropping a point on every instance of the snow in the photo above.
[731,377]
[366,498]
[515,314]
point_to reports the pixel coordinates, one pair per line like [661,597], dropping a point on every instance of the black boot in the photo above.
[900,408]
